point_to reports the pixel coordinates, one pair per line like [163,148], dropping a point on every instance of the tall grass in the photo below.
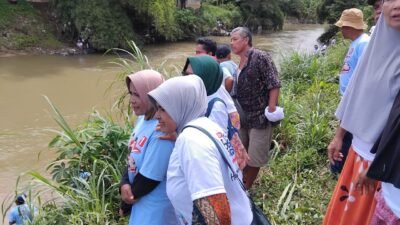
[296,186]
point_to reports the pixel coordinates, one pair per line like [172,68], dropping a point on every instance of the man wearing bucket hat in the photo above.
[351,24]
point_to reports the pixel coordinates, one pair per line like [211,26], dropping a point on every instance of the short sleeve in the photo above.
[226,73]
[200,164]
[12,216]
[269,72]
[219,114]
[156,158]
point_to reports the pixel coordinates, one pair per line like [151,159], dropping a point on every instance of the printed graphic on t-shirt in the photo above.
[228,146]
[135,148]
[346,67]
[131,164]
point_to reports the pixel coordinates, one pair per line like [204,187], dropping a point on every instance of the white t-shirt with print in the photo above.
[196,170]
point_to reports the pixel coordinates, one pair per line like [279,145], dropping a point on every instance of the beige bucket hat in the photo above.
[352,18]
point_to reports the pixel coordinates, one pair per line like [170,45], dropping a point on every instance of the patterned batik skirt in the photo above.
[348,206]
[383,214]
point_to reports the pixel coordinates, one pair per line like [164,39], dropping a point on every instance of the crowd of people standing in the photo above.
[201,135]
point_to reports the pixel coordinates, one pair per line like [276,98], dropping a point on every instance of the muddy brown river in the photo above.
[77,85]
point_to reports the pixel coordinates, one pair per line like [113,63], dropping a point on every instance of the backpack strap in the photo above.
[211,105]
[221,152]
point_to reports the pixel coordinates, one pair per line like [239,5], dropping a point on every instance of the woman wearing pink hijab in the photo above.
[144,183]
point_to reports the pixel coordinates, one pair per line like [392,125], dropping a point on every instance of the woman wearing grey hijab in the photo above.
[199,182]
[363,111]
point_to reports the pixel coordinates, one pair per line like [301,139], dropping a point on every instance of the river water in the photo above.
[77,85]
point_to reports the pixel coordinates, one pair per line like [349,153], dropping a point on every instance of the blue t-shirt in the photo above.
[350,62]
[20,214]
[230,65]
[150,156]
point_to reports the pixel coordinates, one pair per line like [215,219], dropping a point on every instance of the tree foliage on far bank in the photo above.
[109,23]
[330,10]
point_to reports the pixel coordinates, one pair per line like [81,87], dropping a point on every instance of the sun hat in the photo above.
[352,18]
[222,51]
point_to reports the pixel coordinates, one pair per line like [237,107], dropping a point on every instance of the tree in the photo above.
[330,10]
[263,13]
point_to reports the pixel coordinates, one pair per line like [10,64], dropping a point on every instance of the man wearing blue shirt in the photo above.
[351,24]
[21,213]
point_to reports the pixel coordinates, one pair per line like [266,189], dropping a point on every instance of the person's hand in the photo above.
[365,184]
[274,114]
[334,150]
[126,194]
[243,160]
[121,212]
[169,136]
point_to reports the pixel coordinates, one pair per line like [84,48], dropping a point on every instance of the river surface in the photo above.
[77,85]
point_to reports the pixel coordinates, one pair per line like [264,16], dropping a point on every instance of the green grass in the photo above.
[296,186]
[22,27]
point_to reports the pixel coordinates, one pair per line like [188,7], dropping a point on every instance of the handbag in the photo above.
[258,215]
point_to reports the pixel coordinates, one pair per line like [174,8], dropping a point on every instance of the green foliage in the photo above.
[193,23]
[109,24]
[21,27]
[304,10]
[330,10]
[297,186]
[228,14]
[158,14]
[104,22]
[267,14]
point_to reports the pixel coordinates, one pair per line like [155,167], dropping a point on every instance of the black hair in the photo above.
[208,45]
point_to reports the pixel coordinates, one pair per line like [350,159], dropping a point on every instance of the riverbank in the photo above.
[293,189]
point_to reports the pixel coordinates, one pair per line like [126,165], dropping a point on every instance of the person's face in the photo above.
[377,9]
[238,44]
[165,122]
[200,50]
[346,32]
[137,104]
[391,11]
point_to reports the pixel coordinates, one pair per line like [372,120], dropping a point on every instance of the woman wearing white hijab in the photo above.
[363,111]
[199,182]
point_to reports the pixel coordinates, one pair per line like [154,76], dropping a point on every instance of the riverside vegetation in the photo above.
[60,22]
[294,189]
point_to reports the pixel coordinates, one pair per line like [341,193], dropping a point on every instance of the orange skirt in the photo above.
[347,205]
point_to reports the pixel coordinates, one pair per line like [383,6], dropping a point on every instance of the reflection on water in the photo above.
[77,85]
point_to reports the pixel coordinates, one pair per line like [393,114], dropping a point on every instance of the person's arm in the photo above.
[273,99]
[124,178]
[229,84]
[211,210]
[270,75]
[143,185]
[335,145]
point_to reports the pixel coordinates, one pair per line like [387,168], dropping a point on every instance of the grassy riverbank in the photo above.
[293,189]
[23,28]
